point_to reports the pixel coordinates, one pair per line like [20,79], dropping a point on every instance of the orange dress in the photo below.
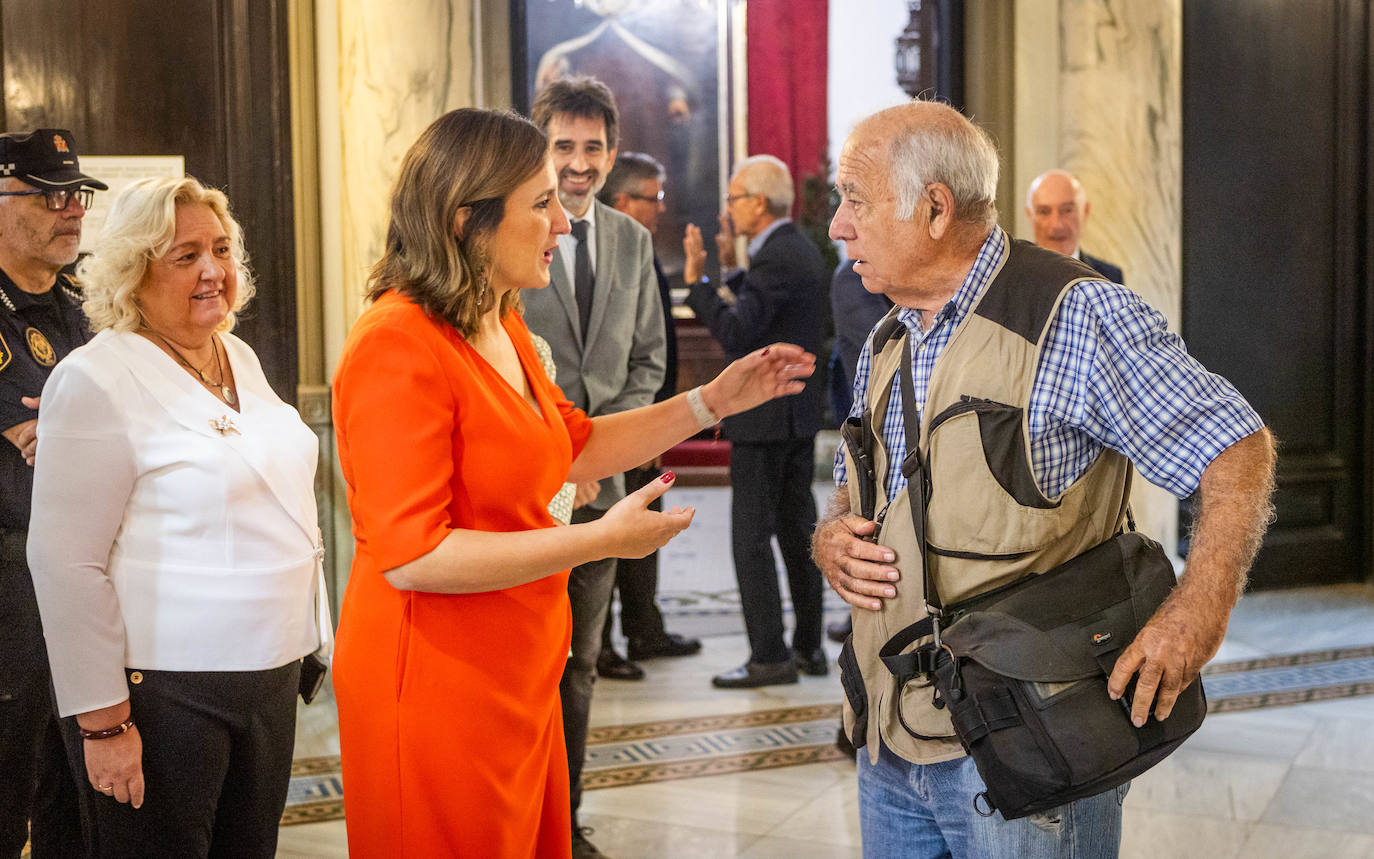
[449,721]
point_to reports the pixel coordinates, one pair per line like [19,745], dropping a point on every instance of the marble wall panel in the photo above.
[390,70]
[1121,134]
[383,72]
[1098,92]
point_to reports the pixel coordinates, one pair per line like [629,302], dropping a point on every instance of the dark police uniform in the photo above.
[36,331]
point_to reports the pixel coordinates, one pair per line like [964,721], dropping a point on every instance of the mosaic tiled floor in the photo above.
[697,591]
[621,755]
[1296,678]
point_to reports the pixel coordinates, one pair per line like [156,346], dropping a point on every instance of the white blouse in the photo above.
[169,532]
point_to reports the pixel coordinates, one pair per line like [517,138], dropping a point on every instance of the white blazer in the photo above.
[168,531]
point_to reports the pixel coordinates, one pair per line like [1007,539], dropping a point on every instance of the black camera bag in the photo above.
[1023,671]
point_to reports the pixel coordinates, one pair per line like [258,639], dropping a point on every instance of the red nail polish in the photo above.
[668,477]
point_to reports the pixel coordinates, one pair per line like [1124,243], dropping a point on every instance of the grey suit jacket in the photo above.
[619,364]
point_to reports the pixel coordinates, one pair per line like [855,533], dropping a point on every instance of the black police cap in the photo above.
[44,158]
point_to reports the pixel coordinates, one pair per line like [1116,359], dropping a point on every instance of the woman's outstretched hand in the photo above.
[634,530]
[764,374]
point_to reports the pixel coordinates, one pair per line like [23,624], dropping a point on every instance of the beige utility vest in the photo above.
[987,522]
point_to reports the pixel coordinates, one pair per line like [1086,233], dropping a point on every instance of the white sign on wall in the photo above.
[118,171]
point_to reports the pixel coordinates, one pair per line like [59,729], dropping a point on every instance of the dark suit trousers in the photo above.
[770,485]
[637,578]
[589,593]
[217,749]
[36,778]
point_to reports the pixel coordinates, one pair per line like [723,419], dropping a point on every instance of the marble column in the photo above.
[396,68]
[1098,93]
[383,72]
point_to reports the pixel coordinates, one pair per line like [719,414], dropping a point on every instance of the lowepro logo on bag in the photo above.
[1101,637]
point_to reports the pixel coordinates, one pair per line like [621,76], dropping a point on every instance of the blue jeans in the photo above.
[925,811]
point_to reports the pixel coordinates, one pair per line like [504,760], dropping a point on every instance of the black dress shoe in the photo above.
[613,666]
[752,675]
[815,663]
[667,644]
[842,743]
[839,630]
[581,847]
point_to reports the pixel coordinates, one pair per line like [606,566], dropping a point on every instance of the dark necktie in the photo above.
[583,281]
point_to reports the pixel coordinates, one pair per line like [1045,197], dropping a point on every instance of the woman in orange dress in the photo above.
[455,624]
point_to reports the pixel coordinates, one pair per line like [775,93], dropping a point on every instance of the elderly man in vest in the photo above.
[1101,384]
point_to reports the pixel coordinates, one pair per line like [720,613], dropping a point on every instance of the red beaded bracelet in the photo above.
[106,733]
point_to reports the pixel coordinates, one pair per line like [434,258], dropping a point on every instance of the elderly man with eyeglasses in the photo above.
[779,297]
[43,197]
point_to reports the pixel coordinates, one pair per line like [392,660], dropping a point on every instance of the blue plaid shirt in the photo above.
[1111,375]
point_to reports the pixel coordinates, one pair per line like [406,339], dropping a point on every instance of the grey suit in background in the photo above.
[617,366]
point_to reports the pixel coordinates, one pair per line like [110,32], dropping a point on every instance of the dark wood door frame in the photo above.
[1278,190]
[205,79]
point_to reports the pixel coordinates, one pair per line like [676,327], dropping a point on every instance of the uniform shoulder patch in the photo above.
[5,354]
[39,346]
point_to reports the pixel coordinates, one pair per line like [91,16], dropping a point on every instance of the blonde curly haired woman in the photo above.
[174,542]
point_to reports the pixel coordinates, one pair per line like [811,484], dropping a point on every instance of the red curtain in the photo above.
[787,82]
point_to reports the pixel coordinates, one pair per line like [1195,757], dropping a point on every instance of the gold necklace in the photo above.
[224,390]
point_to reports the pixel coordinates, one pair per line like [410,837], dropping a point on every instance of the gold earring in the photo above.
[482,272]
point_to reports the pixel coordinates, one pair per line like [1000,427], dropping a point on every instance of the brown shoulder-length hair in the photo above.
[467,157]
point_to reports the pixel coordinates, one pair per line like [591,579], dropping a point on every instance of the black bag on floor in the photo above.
[1023,671]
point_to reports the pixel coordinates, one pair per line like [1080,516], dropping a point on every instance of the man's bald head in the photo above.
[1057,207]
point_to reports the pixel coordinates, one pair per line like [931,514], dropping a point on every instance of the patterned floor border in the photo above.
[703,724]
[724,765]
[805,735]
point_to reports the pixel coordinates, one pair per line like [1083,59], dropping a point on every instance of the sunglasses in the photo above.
[57,200]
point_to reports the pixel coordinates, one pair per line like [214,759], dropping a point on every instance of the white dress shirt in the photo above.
[169,532]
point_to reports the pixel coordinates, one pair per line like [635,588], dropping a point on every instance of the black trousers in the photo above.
[589,594]
[36,779]
[636,579]
[216,765]
[770,486]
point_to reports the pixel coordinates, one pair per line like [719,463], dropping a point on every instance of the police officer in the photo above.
[43,197]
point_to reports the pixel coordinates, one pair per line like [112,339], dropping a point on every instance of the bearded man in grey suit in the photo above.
[603,318]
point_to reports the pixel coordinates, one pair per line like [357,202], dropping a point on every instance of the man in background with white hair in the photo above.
[772,454]
[1058,207]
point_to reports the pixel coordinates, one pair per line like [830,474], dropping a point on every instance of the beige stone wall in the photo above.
[385,71]
[1097,91]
